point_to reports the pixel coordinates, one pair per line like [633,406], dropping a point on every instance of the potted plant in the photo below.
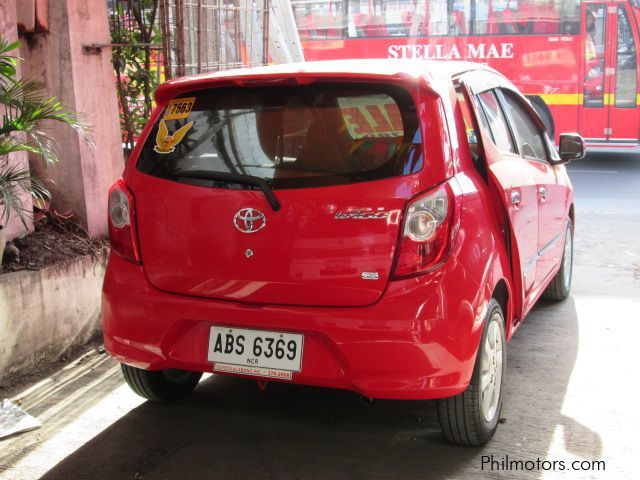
[23,129]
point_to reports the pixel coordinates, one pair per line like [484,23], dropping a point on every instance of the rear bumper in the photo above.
[418,342]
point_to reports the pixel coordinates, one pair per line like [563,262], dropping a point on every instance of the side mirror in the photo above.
[571,147]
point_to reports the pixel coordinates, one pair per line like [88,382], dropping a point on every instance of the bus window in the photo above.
[460,17]
[437,19]
[446,17]
[319,19]
[366,19]
[570,17]
[401,18]
[503,17]
[595,35]
[481,17]
[523,17]
[626,63]
[397,17]
[413,18]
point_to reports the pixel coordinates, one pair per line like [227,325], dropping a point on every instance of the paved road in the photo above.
[571,394]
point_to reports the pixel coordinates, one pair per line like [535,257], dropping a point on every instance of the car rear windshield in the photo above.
[294,136]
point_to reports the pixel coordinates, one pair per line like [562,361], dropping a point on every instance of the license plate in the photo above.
[255,352]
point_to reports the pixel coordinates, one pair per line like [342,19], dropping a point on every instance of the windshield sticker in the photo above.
[373,116]
[179,108]
[166,143]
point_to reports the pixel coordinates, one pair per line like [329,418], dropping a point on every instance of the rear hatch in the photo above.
[337,157]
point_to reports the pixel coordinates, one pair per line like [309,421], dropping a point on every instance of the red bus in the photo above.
[575,60]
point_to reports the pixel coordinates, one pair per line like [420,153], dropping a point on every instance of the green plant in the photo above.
[25,114]
[136,37]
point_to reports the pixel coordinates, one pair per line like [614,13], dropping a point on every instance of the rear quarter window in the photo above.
[300,136]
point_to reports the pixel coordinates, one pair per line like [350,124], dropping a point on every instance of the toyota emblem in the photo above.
[249,220]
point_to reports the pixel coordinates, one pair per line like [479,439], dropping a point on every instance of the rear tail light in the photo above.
[431,222]
[122,223]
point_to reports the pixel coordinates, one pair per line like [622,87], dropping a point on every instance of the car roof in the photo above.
[433,71]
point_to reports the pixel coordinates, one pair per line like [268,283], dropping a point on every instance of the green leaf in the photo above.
[8,47]
[7,70]
[15,181]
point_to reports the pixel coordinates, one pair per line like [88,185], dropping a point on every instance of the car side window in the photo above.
[527,133]
[472,136]
[482,117]
[471,131]
[497,121]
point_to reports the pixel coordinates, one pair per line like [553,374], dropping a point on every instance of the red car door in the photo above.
[551,186]
[513,181]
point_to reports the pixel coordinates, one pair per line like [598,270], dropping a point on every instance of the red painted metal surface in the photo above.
[406,338]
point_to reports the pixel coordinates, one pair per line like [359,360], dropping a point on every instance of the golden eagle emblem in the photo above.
[166,143]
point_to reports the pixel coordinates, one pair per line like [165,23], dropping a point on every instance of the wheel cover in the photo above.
[491,369]
[567,259]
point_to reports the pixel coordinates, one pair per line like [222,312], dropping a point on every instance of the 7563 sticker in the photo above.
[179,108]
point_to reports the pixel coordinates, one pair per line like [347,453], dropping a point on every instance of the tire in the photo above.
[160,385]
[560,285]
[471,418]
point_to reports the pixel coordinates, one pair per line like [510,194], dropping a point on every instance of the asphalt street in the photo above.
[571,394]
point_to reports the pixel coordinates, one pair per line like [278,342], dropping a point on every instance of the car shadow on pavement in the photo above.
[230,429]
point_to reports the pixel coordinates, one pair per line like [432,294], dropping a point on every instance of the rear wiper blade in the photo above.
[233,178]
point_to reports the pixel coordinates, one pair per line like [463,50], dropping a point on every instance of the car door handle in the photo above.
[515,197]
[543,193]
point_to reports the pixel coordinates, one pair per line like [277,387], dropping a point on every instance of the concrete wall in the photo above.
[8,29]
[44,313]
[84,81]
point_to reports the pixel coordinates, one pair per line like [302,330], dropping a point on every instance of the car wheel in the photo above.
[471,418]
[560,286]
[160,385]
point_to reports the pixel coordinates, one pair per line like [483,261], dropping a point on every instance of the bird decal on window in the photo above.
[166,143]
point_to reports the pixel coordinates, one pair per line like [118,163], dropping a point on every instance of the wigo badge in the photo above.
[166,143]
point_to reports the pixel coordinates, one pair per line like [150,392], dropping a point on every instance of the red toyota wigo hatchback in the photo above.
[377,226]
